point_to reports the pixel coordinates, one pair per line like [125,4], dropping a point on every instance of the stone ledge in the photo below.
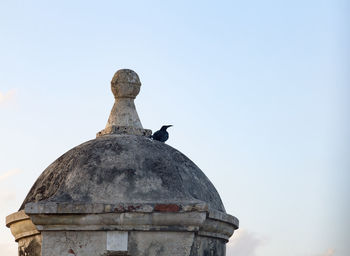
[136,221]
[224,217]
[133,219]
[117,228]
[124,130]
[217,228]
[193,216]
[86,208]
[52,208]
[215,235]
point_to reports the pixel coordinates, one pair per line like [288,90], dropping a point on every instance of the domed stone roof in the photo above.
[126,192]
[123,164]
[115,169]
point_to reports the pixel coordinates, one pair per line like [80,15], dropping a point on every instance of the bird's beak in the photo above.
[168,126]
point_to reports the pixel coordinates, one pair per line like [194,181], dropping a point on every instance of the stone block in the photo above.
[160,243]
[58,243]
[117,241]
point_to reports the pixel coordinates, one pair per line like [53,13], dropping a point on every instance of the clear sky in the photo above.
[257,91]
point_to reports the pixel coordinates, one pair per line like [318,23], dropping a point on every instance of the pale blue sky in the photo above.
[257,92]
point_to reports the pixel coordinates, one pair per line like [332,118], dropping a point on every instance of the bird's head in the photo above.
[164,127]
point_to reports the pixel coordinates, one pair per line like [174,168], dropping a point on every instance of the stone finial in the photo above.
[125,84]
[124,119]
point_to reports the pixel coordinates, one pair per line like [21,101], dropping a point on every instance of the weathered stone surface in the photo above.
[190,221]
[118,169]
[29,246]
[117,241]
[81,208]
[160,243]
[208,246]
[72,243]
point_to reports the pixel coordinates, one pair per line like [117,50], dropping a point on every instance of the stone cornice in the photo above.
[165,216]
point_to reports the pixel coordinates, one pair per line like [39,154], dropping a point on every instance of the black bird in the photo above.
[162,135]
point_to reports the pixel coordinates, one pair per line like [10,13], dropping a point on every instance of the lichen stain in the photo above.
[71,251]
[167,208]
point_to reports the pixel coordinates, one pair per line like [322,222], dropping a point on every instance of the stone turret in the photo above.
[122,194]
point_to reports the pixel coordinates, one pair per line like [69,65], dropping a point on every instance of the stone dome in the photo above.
[122,193]
[123,165]
[114,169]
